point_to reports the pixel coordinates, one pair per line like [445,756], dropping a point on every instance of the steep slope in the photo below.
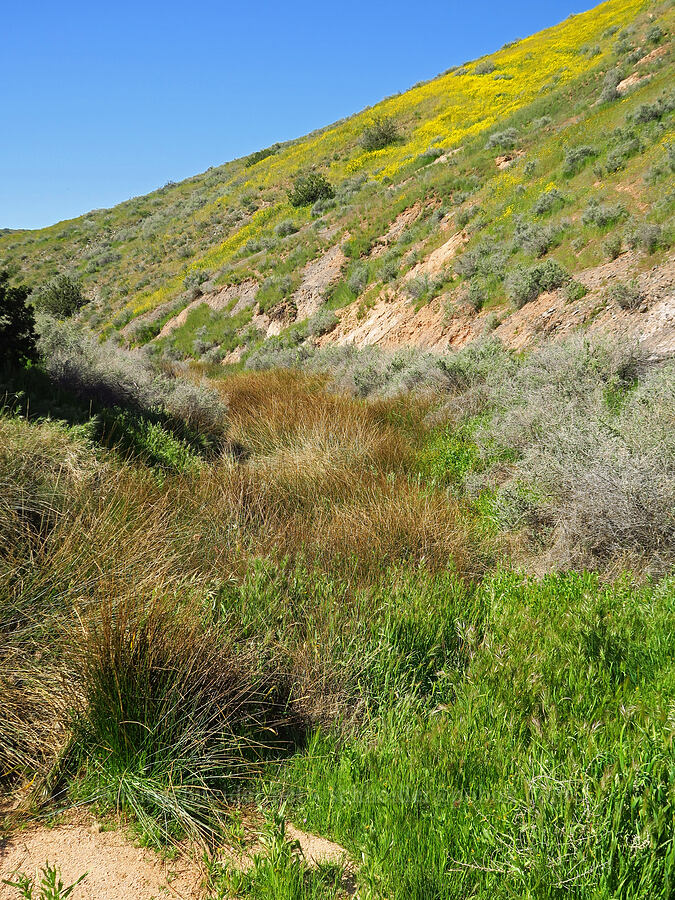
[505,178]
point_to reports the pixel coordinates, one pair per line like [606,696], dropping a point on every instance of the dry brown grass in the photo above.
[324,476]
[97,555]
[395,522]
[276,412]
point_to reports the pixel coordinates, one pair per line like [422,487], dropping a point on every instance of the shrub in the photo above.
[576,158]
[612,246]
[389,266]
[197,405]
[486,258]
[502,140]
[17,324]
[61,297]
[590,51]
[547,201]
[602,214]
[655,34]
[103,259]
[349,187]
[254,245]
[322,206]
[379,133]
[323,321]
[429,155]
[531,237]
[476,296]
[249,202]
[486,67]
[649,112]
[307,189]
[259,155]
[285,351]
[195,279]
[103,374]
[358,278]
[575,290]
[142,332]
[525,285]
[492,321]
[541,123]
[609,87]
[623,46]
[627,295]
[274,290]
[285,228]
[465,215]
[626,144]
[602,483]
[420,287]
[645,235]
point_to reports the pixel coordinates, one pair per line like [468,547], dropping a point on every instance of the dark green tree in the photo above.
[61,297]
[18,341]
[307,189]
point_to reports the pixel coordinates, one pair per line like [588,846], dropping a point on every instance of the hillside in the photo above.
[554,148]
[337,505]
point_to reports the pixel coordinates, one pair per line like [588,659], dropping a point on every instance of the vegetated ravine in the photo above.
[337,487]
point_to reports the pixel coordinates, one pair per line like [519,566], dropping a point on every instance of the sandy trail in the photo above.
[117,869]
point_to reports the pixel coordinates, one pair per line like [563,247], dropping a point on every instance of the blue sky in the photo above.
[105,101]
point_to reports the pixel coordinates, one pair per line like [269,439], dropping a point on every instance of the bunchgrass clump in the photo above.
[173,717]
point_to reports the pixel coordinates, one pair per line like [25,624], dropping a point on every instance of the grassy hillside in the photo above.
[589,176]
[419,603]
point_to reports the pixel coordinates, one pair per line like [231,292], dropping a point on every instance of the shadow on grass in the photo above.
[136,431]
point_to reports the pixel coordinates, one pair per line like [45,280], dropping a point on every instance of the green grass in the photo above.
[204,326]
[50,887]
[279,871]
[334,621]
[544,766]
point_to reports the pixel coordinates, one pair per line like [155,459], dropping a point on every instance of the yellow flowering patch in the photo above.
[215,257]
[442,112]
[456,106]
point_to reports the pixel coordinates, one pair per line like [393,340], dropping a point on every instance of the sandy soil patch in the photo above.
[318,275]
[117,869]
